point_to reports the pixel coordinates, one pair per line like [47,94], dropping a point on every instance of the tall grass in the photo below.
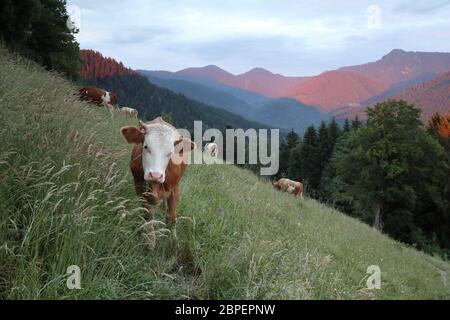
[67,198]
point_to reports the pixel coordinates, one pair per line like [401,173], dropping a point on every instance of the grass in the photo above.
[67,198]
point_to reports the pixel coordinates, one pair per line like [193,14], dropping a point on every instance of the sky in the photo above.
[289,37]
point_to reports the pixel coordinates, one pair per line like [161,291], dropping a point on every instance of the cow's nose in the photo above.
[156,176]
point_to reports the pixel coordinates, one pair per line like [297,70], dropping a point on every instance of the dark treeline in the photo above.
[391,172]
[152,101]
[38,30]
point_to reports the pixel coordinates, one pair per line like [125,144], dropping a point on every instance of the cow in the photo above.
[158,161]
[132,113]
[290,186]
[98,96]
[211,149]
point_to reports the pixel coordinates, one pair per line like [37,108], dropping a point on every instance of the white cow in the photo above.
[133,113]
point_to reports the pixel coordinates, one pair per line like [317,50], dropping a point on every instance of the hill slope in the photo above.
[401,66]
[334,89]
[210,96]
[134,90]
[432,96]
[66,198]
[151,101]
[283,113]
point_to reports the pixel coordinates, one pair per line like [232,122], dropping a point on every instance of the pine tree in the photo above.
[324,150]
[328,135]
[346,125]
[334,132]
[356,123]
[303,164]
[287,145]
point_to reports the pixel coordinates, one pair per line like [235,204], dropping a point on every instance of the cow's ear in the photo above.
[133,134]
[184,145]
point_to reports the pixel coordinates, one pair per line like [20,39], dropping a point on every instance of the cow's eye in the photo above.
[146,148]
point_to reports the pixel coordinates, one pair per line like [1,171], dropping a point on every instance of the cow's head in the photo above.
[276,183]
[161,143]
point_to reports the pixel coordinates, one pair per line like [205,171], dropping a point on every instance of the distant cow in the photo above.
[98,96]
[290,186]
[211,149]
[129,112]
[158,159]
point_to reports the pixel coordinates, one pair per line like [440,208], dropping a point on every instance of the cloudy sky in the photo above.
[291,37]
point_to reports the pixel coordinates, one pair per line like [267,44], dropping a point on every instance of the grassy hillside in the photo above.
[66,198]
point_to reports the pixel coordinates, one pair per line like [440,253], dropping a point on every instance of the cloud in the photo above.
[288,37]
[421,7]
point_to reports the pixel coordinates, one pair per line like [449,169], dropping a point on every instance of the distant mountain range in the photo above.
[134,90]
[342,93]
[401,66]
[261,98]
[433,96]
[256,80]
[283,113]
[335,89]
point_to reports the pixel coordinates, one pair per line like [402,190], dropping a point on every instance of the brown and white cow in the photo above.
[158,159]
[129,112]
[98,96]
[290,186]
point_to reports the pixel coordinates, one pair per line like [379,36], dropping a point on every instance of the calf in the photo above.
[290,186]
[211,149]
[98,96]
[129,112]
[158,159]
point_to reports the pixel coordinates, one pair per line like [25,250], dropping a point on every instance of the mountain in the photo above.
[343,92]
[283,113]
[289,114]
[399,66]
[248,97]
[432,96]
[335,89]
[207,95]
[256,80]
[134,90]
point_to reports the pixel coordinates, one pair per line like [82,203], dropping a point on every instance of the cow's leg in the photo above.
[171,215]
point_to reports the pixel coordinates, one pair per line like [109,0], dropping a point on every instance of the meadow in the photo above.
[67,198]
